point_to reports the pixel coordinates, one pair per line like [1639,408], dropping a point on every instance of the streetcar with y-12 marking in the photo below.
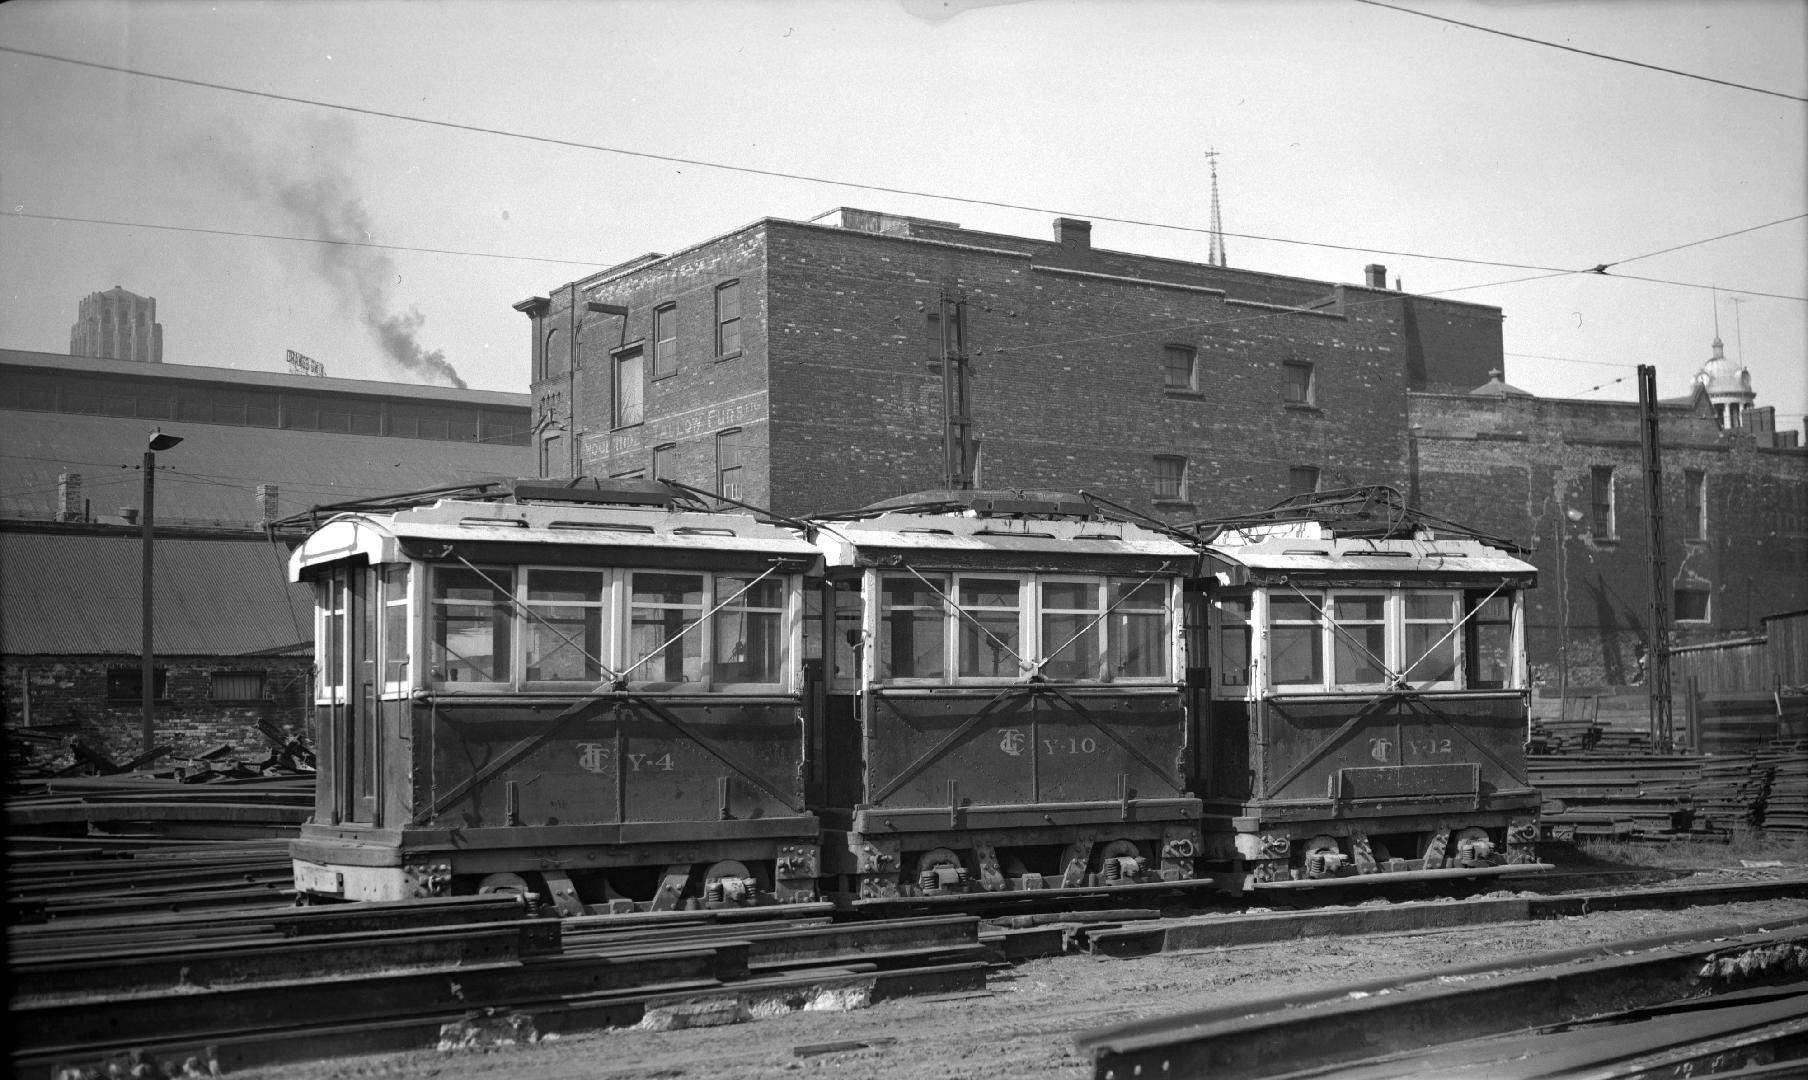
[627,696]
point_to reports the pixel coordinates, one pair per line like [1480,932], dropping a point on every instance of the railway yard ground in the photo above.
[1047,996]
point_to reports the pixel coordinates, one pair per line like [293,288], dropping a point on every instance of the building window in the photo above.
[728,319]
[1302,479]
[932,335]
[1179,365]
[665,341]
[664,461]
[236,686]
[127,683]
[1170,478]
[728,463]
[1692,605]
[630,389]
[1695,504]
[1300,388]
[1600,502]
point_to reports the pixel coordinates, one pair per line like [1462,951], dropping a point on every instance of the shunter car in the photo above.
[589,692]
[1365,704]
[1004,701]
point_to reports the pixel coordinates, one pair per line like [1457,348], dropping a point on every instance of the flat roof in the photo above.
[319,384]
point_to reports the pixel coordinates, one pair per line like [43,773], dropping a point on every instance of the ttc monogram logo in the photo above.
[593,757]
[1378,748]
[1013,742]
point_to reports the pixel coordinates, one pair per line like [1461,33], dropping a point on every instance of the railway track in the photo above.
[1708,1000]
[234,988]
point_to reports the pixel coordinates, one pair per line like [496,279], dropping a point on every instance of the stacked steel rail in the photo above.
[1705,1000]
[268,985]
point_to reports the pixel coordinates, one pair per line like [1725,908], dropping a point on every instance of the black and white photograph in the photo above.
[976,539]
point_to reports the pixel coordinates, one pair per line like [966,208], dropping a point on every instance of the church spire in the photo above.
[1215,254]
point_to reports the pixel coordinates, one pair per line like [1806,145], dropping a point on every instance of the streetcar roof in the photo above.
[1301,547]
[384,538]
[968,535]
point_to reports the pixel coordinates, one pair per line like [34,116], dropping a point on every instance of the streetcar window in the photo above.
[395,629]
[662,611]
[1295,641]
[991,633]
[471,619]
[562,636]
[1488,650]
[912,628]
[1359,639]
[1430,637]
[1071,629]
[1233,642]
[849,638]
[331,594]
[1139,629]
[749,634]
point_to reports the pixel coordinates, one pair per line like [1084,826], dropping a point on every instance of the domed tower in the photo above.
[1728,384]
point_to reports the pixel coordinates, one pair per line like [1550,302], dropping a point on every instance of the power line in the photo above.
[773,173]
[1600,268]
[1566,359]
[295,239]
[1584,52]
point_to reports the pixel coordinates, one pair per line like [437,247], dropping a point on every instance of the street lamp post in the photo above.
[147,681]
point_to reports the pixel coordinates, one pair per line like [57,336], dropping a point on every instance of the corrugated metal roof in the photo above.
[213,476]
[79,594]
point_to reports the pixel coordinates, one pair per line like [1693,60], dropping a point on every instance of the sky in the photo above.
[374,184]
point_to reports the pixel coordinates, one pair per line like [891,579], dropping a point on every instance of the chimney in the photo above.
[266,504]
[69,496]
[1376,275]
[1075,237]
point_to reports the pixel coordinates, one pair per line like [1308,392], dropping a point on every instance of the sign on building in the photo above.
[304,365]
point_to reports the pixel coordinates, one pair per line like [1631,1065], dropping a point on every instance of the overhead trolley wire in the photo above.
[702,163]
[1583,52]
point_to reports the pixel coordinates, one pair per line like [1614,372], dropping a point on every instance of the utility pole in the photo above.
[957,434]
[1657,650]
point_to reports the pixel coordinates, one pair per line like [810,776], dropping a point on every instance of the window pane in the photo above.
[664,606]
[1177,365]
[1139,629]
[665,341]
[990,642]
[471,625]
[749,637]
[1430,641]
[1233,643]
[564,641]
[912,629]
[1360,645]
[395,624]
[1070,634]
[1295,642]
[630,391]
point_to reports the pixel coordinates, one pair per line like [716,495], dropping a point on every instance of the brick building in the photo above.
[1567,479]
[800,362]
[798,365]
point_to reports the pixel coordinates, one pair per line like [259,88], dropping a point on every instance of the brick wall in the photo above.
[1067,388]
[74,689]
[1513,467]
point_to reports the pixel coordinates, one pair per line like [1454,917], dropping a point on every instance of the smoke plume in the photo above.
[319,199]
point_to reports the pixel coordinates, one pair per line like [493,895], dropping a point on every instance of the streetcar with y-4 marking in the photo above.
[586,691]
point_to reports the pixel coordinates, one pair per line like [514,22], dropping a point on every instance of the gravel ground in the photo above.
[1023,1025]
